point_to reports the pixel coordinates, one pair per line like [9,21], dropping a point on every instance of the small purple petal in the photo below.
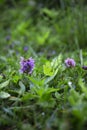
[26,48]
[70,62]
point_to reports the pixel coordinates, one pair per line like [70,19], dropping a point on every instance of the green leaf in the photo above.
[14,98]
[37,81]
[51,78]
[4,84]
[8,111]
[71,100]
[47,68]
[50,68]
[57,95]
[41,39]
[1,77]
[56,62]
[83,87]
[74,97]
[22,88]
[50,13]
[4,95]
[28,96]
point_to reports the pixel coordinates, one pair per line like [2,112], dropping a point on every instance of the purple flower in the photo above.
[27,66]
[70,62]
[84,67]
[26,48]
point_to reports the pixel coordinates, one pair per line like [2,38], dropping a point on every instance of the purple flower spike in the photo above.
[70,62]
[27,66]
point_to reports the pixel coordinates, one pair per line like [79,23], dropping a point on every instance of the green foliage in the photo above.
[48,69]
[53,97]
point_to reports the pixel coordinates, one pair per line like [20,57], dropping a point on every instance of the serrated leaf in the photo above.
[56,62]
[47,68]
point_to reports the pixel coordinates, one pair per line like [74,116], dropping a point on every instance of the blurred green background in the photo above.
[48,26]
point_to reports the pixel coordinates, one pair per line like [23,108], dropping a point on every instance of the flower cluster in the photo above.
[70,62]
[27,66]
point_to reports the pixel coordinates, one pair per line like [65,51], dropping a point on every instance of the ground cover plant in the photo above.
[43,65]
